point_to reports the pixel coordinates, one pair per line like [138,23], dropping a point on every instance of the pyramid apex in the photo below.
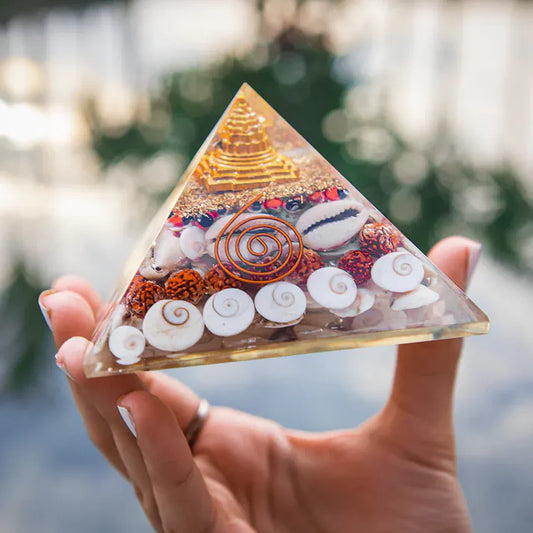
[245,157]
[247,92]
[245,87]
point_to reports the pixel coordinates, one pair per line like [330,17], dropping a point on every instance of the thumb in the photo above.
[425,372]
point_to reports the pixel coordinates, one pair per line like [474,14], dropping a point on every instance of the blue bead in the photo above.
[205,220]
[293,204]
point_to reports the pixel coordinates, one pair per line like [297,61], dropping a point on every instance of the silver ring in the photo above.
[192,431]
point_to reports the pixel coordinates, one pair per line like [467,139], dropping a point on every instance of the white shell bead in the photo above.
[173,325]
[167,250]
[281,302]
[398,272]
[150,270]
[192,241]
[363,302]
[332,287]
[420,297]
[126,343]
[228,312]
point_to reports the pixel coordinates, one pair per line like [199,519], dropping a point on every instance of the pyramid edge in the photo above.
[302,347]
[157,221]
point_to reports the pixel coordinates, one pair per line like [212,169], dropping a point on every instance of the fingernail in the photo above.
[44,309]
[474,252]
[61,365]
[128,420]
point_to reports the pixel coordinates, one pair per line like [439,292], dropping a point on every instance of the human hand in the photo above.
[394,473]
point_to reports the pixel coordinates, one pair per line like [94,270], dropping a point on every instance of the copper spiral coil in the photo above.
[275,267]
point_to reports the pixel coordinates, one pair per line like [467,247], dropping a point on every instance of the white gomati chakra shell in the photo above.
[192,241]
[332,287]
[281,302]
[420,297]
[398,272]
[173,325]
[228,312]
[127,344]
[330,225]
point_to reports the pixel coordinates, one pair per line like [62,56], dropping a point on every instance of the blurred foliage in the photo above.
[427,192]
[24,336]
[13,8]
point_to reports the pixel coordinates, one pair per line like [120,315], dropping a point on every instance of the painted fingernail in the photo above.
[44,309]
[128,420]
[474,252]
[61,365]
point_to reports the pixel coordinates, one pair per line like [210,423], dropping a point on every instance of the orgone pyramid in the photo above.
[263,249]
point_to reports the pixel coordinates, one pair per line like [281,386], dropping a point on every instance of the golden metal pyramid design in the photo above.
[245,157]
[263,250]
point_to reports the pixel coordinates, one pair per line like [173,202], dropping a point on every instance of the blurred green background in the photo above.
[425,106]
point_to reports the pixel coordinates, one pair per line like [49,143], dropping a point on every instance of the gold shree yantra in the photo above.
[244,157]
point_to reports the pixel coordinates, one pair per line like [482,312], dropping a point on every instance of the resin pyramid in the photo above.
[263,250]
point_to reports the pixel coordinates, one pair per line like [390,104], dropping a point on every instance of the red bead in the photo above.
[273,203]
[317,197]
[332,194]
[176,220]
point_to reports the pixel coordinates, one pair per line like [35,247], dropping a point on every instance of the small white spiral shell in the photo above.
[398,272]
[228,312]
[127,344]
[280,302]
[173,325]
[332,287]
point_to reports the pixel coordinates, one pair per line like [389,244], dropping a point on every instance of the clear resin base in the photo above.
[263,250]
